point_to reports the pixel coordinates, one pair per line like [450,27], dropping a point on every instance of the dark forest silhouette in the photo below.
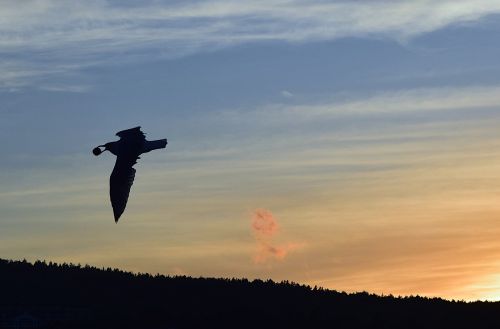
[47,295]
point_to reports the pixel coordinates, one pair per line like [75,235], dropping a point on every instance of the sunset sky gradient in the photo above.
[368,130]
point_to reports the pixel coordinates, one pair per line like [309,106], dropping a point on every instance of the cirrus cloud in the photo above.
[46,35]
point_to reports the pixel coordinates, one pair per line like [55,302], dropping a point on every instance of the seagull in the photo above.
[131,145]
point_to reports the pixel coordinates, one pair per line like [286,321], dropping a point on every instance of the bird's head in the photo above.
[112,147]
[97,150]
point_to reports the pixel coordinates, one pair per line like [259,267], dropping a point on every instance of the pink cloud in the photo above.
[264,223]
[265,227]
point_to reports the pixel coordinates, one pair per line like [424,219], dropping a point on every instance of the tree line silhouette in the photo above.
[48,295]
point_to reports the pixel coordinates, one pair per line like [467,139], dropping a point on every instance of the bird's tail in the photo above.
[154,145]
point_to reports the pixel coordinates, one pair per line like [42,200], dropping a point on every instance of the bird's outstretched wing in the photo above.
[120,182]
[132,133]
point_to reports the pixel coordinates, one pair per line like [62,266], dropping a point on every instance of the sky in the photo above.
[352,145]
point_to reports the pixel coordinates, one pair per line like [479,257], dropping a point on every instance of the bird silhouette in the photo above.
[131,145]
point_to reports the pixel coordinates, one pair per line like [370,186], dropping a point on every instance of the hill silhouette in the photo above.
[48,295]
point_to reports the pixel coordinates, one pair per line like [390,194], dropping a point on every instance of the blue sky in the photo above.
[365,127]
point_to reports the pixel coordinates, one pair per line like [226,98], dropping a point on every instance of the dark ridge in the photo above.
[48,295]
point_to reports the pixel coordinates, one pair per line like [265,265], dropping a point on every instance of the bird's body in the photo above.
[131,145]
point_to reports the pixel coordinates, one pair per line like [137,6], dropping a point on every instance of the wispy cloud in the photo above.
[50,33]
[445,103]
[66,88]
